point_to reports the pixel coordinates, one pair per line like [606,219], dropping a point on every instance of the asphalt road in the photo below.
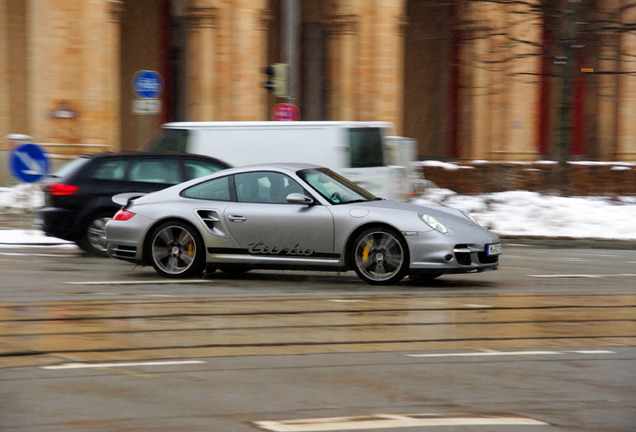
[546,343]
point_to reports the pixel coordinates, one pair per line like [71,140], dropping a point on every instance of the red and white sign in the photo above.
[285,112]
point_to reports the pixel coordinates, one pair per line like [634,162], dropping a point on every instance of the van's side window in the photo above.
[366,147]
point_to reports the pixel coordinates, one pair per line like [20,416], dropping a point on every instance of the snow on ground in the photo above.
[529,214]
[514,213]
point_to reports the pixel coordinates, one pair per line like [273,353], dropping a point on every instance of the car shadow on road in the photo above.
[327,280]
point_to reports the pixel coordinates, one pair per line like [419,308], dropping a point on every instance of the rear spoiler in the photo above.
[124,199]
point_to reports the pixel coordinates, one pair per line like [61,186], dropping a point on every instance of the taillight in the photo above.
[61,189]
[123,215]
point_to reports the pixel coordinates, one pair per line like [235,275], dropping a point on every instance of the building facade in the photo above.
[468,79]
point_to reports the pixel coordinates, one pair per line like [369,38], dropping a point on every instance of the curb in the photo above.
[569,242]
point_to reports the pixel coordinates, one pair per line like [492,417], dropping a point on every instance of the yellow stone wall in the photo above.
[379,64]
[226,56]
[60,54]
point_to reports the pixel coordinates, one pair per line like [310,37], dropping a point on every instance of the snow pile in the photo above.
[529,214]
[21,198]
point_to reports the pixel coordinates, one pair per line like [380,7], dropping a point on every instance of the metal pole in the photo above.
[291,22]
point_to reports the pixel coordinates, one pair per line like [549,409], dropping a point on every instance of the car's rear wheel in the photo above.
[380,256]
[177,250]
[93,238]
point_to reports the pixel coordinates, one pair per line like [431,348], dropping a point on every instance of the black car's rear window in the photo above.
[70,167]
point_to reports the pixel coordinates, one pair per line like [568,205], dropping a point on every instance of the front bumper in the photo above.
[436,253]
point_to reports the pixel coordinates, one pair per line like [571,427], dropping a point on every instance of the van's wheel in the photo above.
[177,250]
[93,238]
[380,256]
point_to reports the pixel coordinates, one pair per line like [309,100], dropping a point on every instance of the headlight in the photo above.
[433,223]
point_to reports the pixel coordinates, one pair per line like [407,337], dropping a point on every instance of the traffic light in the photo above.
[277,79]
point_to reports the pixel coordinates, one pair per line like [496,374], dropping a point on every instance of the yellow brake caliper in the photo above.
[366,250]
[190,249]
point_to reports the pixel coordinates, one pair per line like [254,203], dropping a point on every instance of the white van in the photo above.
[359,151]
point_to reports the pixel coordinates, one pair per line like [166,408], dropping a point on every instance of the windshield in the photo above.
[334,187]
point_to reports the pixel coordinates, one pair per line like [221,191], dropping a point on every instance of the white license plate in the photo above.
[494,249]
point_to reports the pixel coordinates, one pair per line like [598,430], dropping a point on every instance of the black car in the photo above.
[78,197]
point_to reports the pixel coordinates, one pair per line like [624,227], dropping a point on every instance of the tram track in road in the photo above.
[180,328]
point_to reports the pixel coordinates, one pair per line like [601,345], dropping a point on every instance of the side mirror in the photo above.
[299,198]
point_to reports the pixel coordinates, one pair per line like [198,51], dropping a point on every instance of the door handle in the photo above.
[237,218]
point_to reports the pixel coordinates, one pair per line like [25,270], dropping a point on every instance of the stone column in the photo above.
[524,94]
[201,65]
[52,83]
[476,53]
[626,136]
[365,60]
[484,82]
[73,73]
[112,57]
[4,73]
[248,44]
[342,52]
[506,126]
[387,53]
[608,85]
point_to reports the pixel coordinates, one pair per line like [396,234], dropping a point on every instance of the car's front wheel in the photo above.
[177,250]
[93,238]
[380,256]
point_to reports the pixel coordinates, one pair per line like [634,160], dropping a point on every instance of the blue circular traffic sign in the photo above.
[147,84]
[29,163]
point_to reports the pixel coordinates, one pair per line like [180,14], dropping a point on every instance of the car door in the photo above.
[263,223]
[104,178]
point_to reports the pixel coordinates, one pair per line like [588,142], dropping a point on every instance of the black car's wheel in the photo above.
[380,256]
[93,238]
[177,250]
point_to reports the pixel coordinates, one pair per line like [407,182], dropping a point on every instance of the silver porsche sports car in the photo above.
[294,216]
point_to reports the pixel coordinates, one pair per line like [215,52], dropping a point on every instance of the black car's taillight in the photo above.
[61,189]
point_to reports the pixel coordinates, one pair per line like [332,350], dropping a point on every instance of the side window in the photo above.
[216,190]
[265,187]
[366,147]
[110,170]
[155,171]
[195,168]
